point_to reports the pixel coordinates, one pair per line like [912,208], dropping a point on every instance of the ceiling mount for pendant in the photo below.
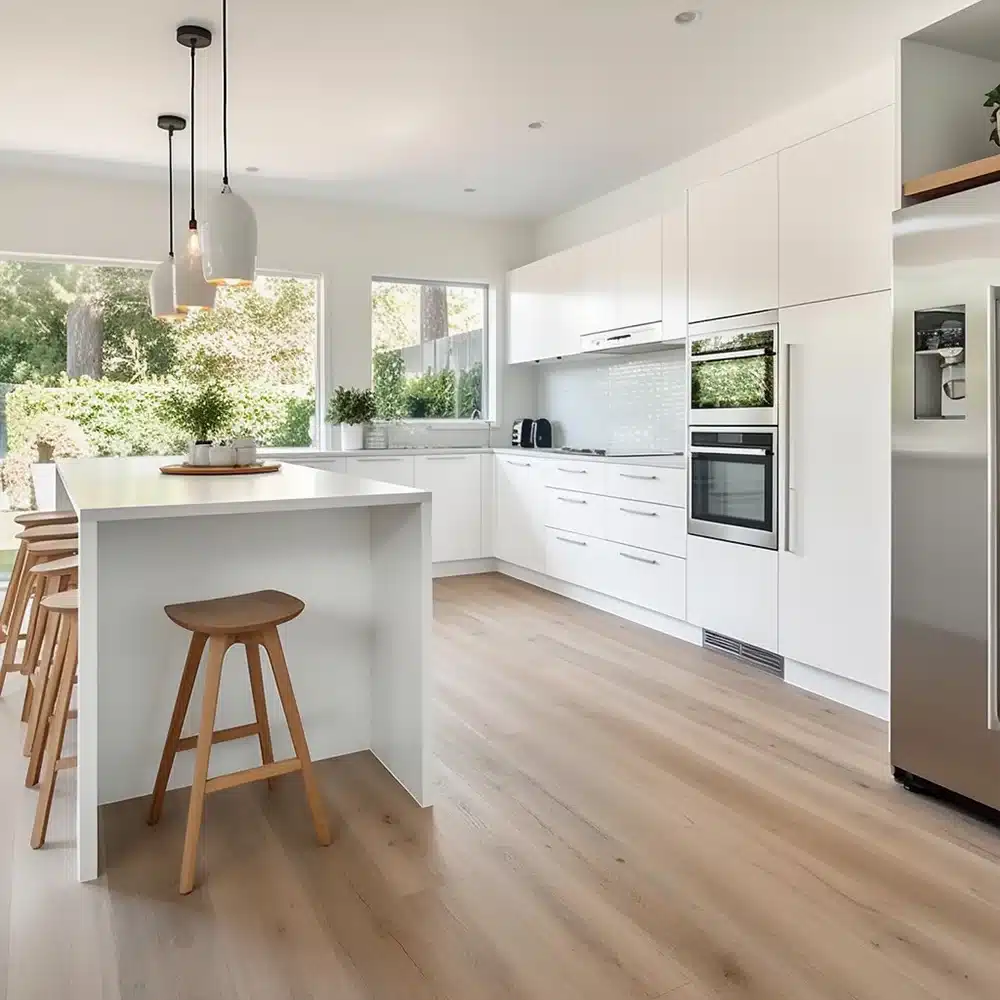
[194,36]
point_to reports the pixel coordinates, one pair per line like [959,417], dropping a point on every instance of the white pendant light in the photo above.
[231,229]
[191,291]
[161,282]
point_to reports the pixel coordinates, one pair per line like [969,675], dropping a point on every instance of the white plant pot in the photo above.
[43,475]
[352,437]
[245,451]
[220,455]
[199,454]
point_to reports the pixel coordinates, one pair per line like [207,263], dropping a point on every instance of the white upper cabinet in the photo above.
[674,278]
[523,314]
[733,242]
[638,263]
[836,202]
[834,575]
[597,283]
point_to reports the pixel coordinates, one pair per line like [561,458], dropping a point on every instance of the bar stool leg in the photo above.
[12,585]
[272,643]
[213,677]
[57,734]
[36,631]
[259,702]
[16,621]
[45,699]
[188,677]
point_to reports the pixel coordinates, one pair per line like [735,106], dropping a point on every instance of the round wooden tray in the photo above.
[220,470]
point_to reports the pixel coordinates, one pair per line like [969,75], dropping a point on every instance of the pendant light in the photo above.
[231,230]
[161,283]
[191,291]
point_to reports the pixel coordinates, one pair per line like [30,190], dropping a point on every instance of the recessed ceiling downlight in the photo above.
[687,17]
[253,170]
[470,190]
[536,125]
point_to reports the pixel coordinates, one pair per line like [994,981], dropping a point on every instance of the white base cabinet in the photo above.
[397,469]
[455,481]
[733,589]
[519,525]
[835,575]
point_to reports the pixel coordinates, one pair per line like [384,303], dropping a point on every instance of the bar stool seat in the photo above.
[33,518]
[232,615]
[250,620]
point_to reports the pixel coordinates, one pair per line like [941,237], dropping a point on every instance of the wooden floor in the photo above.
[619,815]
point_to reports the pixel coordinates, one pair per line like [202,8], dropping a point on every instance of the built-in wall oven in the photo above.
[733,370]
[733,480]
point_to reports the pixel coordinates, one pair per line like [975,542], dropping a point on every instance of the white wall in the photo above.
[82,216]
[665,189]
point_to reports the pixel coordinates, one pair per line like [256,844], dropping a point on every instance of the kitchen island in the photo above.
[355,550]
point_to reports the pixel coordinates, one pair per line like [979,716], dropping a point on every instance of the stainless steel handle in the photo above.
[444,458]
[572,472]
[571,541]
[570,500]
[645,479]
[791,497]
[753,452]
[639,559]
[760,352]
[389,458]
[640,513]
[993,385]
[523,465]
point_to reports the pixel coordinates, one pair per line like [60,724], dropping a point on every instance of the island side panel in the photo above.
[321,556]
[401,559]
[87,702]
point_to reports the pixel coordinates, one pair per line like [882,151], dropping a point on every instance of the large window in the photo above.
[84,367]
[429,347]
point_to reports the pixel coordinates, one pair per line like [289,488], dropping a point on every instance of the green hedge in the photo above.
[120,418]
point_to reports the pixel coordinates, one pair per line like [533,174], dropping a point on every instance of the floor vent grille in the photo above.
[763,658]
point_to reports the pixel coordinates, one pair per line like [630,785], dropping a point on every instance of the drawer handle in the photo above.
[380,460]
[572,472]
[445,458]
[648,562]
[629,475]
[571,541]
[639,513]
[569,500]
[523,465]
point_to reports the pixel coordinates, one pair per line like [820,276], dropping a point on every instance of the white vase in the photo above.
[220,455]
[199,453]
[352,437]
[245,451]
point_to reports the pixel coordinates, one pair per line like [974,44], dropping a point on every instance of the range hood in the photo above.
[623,341]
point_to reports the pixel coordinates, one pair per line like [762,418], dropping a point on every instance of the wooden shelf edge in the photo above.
[961,178]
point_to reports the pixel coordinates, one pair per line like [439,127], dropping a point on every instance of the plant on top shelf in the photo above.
[352,409]
[993,101]
[203,414]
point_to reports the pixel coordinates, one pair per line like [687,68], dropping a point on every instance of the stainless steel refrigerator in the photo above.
[944,727]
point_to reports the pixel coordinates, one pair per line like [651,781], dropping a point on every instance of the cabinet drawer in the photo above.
[396,469]
[647,526]
[574,558]
[586,477]
[647,579]
[641,482]
[582,512]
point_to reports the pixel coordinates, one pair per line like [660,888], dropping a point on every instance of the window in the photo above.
[429,349]
[84,367]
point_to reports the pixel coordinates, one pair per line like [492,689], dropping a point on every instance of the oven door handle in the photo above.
[760,352]
[752,452]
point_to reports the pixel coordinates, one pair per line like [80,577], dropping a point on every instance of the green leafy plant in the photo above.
[202,414]
[351,406]
[431,395]
[389,385]
[993,101]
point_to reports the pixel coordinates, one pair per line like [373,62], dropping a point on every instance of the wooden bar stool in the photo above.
[64,607]
[39,544]
[30,519]
[39,697]
[251,620]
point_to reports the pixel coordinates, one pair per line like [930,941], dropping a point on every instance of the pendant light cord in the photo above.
[225,97]
[193,223]
[170,174]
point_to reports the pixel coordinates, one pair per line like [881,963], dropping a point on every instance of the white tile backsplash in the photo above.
[635,403]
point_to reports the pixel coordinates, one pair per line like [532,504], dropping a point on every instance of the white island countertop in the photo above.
[121,489]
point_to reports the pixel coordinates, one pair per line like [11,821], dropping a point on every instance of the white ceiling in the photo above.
[407,102]
[975,31]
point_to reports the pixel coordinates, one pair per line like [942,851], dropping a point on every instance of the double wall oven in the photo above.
[733,468]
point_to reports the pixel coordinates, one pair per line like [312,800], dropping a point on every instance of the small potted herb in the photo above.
[993,101]
[244,445]
[352,409]
[201,414]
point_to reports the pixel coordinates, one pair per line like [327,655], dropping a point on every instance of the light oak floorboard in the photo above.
[619,815]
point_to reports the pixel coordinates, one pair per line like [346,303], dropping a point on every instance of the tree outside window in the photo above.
[428,349]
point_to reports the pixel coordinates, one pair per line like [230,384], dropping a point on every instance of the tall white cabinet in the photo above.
[833,574]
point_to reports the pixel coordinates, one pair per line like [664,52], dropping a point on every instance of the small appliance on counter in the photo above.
[541,433]
[521,435]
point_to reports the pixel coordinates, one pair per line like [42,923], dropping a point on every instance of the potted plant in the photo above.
[352,409]
[993,101]
[244,445]
[201,414]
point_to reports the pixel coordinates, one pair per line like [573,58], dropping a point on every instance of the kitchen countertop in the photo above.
[118,489]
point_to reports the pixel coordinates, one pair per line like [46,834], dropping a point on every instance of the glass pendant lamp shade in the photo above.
[231,230]
[191,290]
[230,240]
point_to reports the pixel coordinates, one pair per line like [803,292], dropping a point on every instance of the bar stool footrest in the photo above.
[263,773]
[221,736]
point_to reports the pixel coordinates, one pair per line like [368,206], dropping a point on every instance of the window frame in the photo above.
[320,441]
[487,419]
